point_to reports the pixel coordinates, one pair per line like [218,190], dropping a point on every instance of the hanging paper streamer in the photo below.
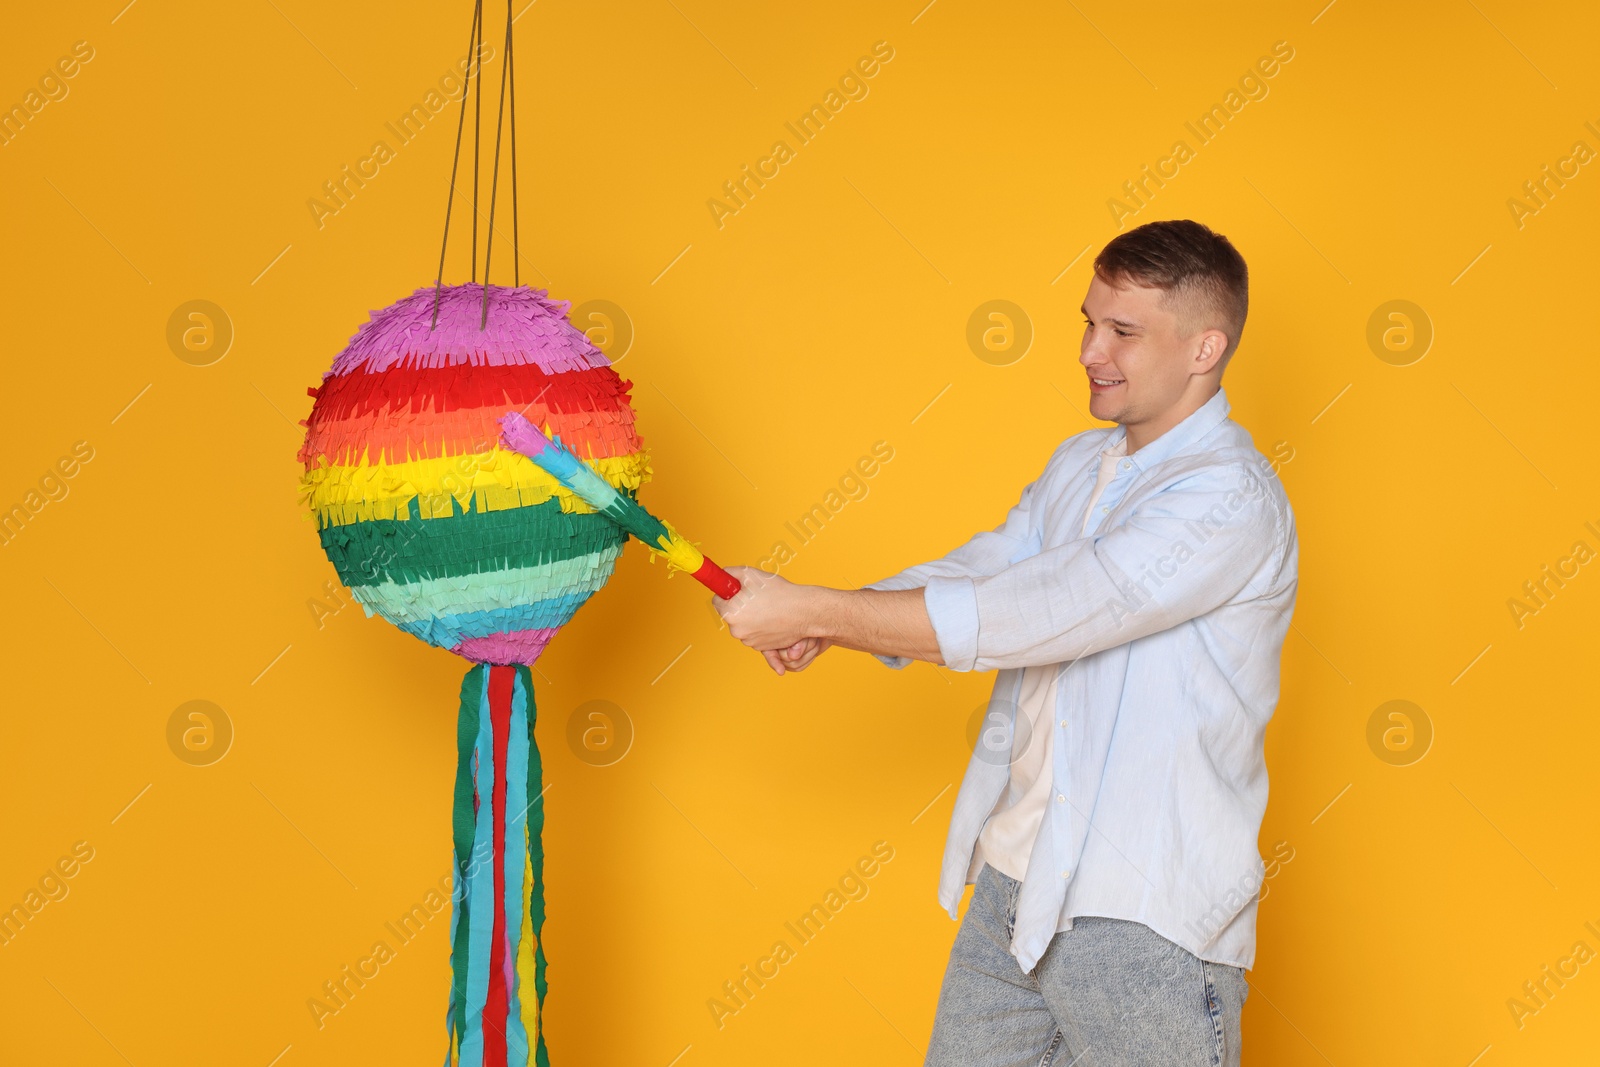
[470,546]
[497,962]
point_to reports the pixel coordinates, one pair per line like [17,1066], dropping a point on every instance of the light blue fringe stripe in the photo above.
[480,889]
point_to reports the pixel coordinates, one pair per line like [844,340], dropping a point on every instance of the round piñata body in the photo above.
[427,519]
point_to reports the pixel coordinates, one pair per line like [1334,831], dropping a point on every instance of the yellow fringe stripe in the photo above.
[497,480]
[527,993]
[677,551]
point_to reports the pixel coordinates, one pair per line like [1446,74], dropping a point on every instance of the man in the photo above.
[1135,603]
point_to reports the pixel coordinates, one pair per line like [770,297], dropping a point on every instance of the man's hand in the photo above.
[791,625]
[798,656]
[769,613]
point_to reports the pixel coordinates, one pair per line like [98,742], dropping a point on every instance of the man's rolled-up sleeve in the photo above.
[983,554]
[1181,553]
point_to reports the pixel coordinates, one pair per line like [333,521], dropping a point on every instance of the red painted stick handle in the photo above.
[717,580]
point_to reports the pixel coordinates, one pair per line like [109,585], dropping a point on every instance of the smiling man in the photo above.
[1134,603]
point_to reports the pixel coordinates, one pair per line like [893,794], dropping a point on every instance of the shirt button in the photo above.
[1104,510]
[1060,798]
[1063,723]
[1126,465]
[1065,874]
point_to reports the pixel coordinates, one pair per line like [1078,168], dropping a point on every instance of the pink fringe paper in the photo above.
[519,646]
[525,326]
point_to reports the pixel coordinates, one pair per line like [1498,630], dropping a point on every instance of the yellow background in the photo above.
[823,317]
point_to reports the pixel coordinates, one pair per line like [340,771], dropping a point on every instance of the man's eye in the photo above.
[1124,333]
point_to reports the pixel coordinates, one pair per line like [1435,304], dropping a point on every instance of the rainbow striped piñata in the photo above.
[436,527]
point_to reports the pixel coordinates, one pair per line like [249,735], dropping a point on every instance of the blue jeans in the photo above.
[1107,993]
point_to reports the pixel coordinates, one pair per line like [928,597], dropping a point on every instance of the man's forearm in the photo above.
[883,622]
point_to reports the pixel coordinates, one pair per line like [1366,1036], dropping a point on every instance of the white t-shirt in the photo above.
[1006,840]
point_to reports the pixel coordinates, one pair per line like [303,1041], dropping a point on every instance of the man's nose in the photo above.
[1091,354]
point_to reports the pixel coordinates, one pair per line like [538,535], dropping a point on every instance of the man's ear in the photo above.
[1211,345]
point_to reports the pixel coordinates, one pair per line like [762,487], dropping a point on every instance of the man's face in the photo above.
[1136,344]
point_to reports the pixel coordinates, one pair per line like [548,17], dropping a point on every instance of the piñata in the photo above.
[435,526]
[448,530]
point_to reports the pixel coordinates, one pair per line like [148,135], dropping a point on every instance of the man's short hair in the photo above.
[1204,280]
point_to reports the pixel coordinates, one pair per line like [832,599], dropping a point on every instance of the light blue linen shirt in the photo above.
[1167,622]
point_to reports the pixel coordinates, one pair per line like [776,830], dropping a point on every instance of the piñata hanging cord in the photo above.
[508,80]
[495,1017]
